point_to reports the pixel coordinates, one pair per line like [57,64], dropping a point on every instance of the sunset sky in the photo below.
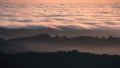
[60,1]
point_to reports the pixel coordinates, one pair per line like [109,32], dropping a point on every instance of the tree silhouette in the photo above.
[60,59]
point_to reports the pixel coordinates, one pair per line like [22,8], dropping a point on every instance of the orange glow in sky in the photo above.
[60,1]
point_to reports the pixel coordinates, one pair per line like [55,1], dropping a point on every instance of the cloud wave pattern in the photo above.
[77,16]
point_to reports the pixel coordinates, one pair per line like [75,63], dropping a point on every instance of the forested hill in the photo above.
[45,42]
[60,59]
[79,39]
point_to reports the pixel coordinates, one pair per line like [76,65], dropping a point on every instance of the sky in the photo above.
[60,1]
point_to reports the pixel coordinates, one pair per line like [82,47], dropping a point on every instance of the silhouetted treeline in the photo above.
[82,39]
[45,42]
[60,59]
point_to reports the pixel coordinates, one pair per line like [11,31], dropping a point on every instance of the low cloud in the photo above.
[80,16]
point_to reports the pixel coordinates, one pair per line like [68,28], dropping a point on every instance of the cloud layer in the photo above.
[77,16]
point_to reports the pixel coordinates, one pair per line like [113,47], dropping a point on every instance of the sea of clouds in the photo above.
[78,16]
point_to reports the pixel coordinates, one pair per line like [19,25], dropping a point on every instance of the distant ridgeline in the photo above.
[58,39]
[46,36]
[44,42]
[60,59]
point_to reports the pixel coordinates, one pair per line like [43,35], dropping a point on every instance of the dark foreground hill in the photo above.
[61,59]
